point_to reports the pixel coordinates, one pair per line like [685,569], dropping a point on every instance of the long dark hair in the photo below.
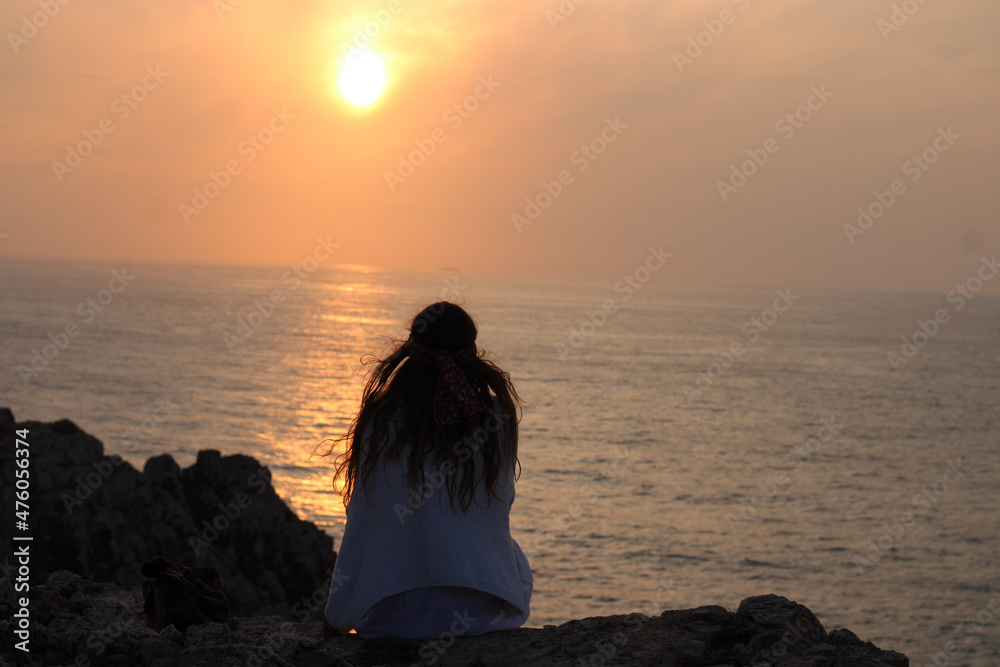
[402,387]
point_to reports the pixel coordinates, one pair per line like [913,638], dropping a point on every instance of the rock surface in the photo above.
[79,622]
[98,516]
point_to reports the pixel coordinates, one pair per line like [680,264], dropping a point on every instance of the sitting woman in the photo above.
[428,482]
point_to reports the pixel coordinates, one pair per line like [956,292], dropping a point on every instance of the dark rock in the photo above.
[79,598]
[153,648]
[66,583]
[6,597]
[98,516]
[66,427]
[163,471]
[849,644]
[783,615]
[112,632]
[6,419]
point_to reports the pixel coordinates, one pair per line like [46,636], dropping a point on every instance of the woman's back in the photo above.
[428,535]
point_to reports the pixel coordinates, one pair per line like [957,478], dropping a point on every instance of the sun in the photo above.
[362,78]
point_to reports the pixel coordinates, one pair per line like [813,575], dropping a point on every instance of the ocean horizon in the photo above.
[681,445]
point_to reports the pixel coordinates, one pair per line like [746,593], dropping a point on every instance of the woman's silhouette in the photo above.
[428,482]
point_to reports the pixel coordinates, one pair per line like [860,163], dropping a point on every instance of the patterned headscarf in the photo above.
[455,399]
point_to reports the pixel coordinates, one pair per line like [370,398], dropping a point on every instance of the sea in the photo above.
[680,445]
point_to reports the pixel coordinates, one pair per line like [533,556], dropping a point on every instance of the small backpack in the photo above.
[182,596]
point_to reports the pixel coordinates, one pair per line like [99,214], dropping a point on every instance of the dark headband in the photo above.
[455,399]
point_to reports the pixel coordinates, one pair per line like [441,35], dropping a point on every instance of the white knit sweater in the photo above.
[390,548]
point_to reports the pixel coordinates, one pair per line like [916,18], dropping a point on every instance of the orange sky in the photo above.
[213,74]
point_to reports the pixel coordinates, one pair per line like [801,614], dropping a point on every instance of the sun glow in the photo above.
[362,78]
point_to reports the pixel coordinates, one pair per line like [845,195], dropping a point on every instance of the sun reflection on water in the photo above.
[320,379]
